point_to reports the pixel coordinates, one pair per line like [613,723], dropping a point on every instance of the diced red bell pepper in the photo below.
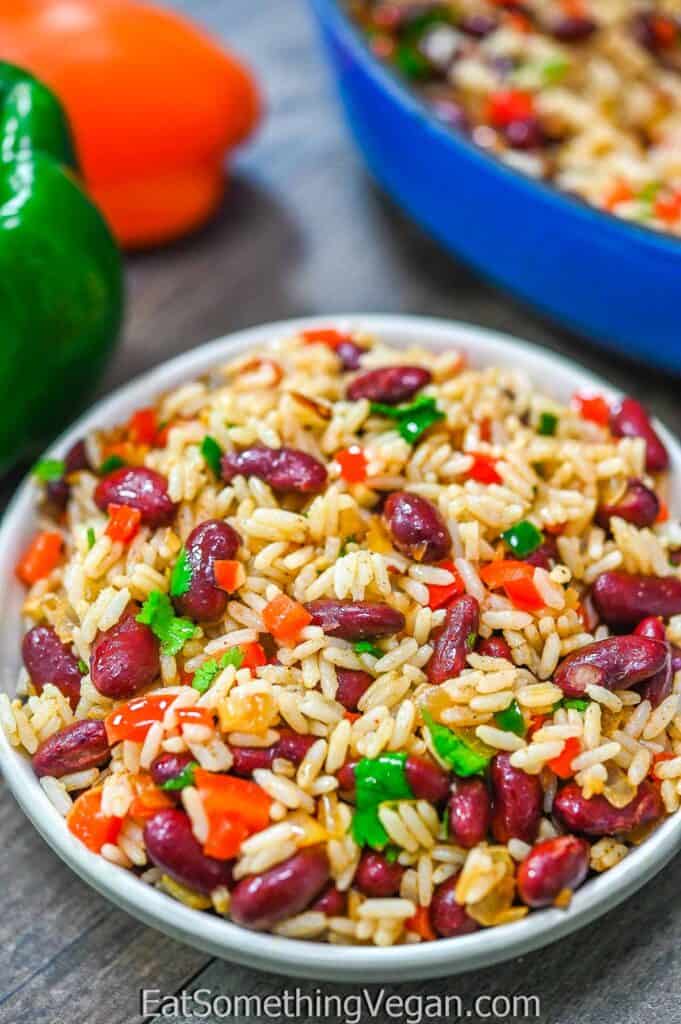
[560,765]
[285,619]
[353,464]
[225,836]
[438,597]
[132,721]
[87,823]
[40,557]
[621,192]
[240,799]
[509,105]
[196,716]
[229,574]
[142,428]
[484,469]
[592,407]
[667,207]
[254,656]
[124,523]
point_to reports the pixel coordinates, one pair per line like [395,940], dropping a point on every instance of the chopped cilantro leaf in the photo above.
[181,575]
[206,673]
[91,538]
[82,667]
[173,631]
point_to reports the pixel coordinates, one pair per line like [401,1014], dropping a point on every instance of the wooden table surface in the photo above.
[303,231]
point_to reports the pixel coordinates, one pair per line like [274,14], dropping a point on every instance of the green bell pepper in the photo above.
[61,278]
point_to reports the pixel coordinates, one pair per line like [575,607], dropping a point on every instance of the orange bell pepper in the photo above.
[87,823]
[154,104]
[516,579]
[143,428]
[225,836]
[420,923]
[239,798]
[285,619]
[149,800]
[40,557]
[254,656]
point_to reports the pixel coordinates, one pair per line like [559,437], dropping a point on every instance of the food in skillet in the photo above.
[357,644]
[580,93]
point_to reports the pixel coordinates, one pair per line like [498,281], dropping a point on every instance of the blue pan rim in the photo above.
[409,99]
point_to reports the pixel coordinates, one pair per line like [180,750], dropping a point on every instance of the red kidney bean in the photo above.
[389,384]
[598,817]
[58,491]
[638,505]
[332,902]
[448,917]
[478,25]
[174,849]
[349,353]
[204,601]
[48,660]
[260,901]
[352,684]
[676,658]
[617,662]
[284,469]
[623,599]
[292,746]
[628,418]
[659,686]
[355,620]
[525,133]
[652,627]
[427,780]
[573,28]
[247,759]
[494,647]
[416,526]
[550,867]
[124,659]
[140,488]
[346,777]
[470,811]
[168,766]
[545,556]
[452,642]
[675,557]
[517,801]
[74,748]
[376,876]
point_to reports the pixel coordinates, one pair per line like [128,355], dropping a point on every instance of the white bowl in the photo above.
[312,960]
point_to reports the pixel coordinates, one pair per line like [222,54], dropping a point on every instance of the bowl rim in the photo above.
[220,937]
[399,90]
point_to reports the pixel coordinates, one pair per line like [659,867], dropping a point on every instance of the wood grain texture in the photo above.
[303,230]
